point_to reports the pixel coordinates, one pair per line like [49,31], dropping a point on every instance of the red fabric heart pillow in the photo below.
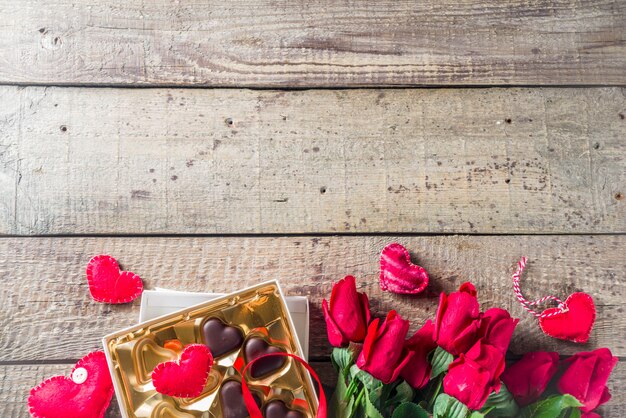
[398,274]
[110,285]
[86,394]
[573,321]
[186,377]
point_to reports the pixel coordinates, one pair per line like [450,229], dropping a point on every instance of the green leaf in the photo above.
[477,414]
[501,404]
[448,407]
[409,410]
[553,406]
[369,381]
[440,361]
[371,411]
[342,359]
[340,407]
[403,394]
[575,413]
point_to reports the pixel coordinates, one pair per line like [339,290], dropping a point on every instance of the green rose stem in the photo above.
[435,393]
[352,387]
[357,402]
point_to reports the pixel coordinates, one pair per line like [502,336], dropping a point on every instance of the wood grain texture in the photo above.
[85,161]
[305,44]
[16,381]
[47,307]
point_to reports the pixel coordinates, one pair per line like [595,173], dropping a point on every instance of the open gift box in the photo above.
[259,313]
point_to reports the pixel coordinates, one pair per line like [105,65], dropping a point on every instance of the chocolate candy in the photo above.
[221,338]
[256,347]
[278,409]
[231,399]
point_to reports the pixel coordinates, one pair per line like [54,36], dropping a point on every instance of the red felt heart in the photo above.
[573,321]
[186,377]
[398,274]
[110,285]
[86,394]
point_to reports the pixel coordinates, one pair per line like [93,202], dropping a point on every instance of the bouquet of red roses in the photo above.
[453,367]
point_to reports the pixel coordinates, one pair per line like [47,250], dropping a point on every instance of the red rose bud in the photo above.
[528,378]
[473,376]
[348,314]
[383,354]
[417,370]
[586,377]
[496,328]
[457,323]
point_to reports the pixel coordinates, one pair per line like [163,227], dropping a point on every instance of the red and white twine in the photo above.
[521,265]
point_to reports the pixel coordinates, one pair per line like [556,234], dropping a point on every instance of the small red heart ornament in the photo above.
[572,321]
[86,394]
[398,274]
[186,377]
[110,285]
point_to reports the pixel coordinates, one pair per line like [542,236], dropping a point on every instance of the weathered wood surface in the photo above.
[299,43]
[47,307]
[84,161]
[16,381]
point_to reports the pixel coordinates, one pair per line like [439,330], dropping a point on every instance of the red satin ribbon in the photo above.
[248,399]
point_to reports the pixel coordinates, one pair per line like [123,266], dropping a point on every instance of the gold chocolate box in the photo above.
[258,312]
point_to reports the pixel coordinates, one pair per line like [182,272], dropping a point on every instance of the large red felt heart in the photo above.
[110,285]
[86,394]
[186,377]
[398,274]
[573,321]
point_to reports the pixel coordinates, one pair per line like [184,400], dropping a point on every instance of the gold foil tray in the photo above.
[259,311]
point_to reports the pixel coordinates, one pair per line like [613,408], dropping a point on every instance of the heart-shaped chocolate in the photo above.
[278,409]
[231,400]
[221,338]
[574,323]
[256,347]
[398,274]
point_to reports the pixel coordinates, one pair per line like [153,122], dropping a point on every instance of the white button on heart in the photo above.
[79,375]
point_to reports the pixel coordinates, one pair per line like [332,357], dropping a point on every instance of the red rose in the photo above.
[348,315]
[496,328]
[528,378]
[383,355]
[586,377]
[457,323]
[473,376]
[417,370]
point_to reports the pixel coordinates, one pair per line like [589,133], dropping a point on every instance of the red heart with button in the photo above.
[86,394]
[572,321]
[186,377]
[110,285]
[398,274]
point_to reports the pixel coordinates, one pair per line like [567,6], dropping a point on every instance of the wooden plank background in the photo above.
[263,43]
[38,271]
[214,188]
[120,161]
